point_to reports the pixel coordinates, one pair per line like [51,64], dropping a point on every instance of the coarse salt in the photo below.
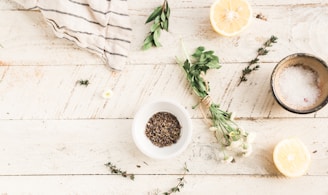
[299,86]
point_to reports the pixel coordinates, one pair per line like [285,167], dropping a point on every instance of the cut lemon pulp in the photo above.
[291,157]
[230,17]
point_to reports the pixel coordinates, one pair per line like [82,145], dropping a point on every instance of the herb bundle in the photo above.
[160,16]
[227,132]
[260,52]
[118,171]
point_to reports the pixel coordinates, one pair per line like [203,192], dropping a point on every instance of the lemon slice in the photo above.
[230,17]
[291,157]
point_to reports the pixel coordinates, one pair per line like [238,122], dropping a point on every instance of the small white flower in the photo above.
[242,131]
[248,151]
[235,145]
[244,147]
[251,137]
[227,159]
[107,94]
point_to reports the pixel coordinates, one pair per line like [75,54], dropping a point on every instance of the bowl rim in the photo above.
[295,55]
[188,124]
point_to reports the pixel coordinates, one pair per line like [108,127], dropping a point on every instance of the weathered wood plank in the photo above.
[288,23]
[34,147]
[146,4]
[56,135]
[190,4]
[32,42]
[53,92]
[196,184]
[149,5]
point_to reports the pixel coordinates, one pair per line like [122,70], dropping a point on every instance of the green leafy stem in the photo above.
[181,182]
[160,16]
[118,171]
[252,65]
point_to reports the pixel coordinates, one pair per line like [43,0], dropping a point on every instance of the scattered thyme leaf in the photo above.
[118,171]
[160,16]
[260,52]
[83,82]
[261,17]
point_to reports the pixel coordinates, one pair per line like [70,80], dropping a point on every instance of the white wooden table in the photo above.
[56,135]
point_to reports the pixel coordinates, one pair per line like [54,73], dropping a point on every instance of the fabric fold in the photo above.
[103,27]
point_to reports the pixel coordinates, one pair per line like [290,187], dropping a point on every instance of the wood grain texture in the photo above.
[35,147]
[194,28]
[38,36]
[53,92]
[190,4]
[56,135]
[198,184]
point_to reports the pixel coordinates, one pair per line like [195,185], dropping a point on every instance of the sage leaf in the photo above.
[163,17]
[166,25]
[157,19]
[155,13]
[156,37]
[154,27]
[148,40]
[168,11]
[147,46]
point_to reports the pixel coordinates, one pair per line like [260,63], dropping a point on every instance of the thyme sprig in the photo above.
[160,16]
[252,65]
[227,131]
[118,171]
[181,182]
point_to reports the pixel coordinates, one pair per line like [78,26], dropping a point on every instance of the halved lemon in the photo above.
[291,157]
[230,17]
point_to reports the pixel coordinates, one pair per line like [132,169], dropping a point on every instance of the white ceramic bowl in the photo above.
[139,127]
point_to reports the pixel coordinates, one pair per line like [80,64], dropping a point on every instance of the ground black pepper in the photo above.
[163,129]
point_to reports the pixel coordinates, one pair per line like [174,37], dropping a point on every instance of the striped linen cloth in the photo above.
[101,26]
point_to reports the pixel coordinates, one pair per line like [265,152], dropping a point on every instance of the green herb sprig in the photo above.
[203,61]
[83,82]
[181,182]
[160,16]
[252,65]
[222,123]
[118,171]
